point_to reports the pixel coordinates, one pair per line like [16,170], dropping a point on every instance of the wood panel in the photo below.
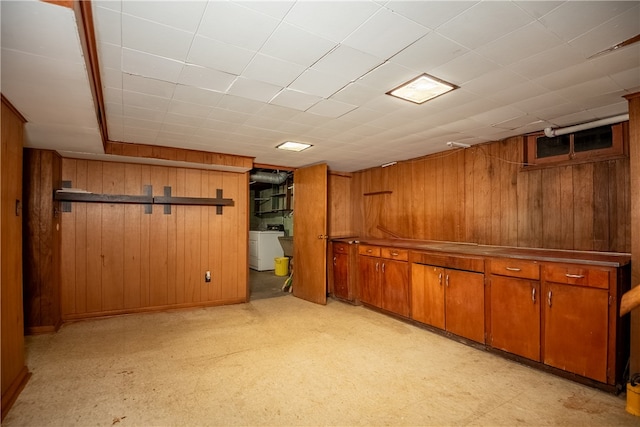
[634,190]
[41,266]
[14,373]
[117,259]
[339,203]
[483,195]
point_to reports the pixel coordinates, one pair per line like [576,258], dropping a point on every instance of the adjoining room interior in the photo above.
[307,212]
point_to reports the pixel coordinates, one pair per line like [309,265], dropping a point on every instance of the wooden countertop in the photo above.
[608,259]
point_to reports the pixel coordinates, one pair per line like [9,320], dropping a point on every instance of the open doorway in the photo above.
[270,231]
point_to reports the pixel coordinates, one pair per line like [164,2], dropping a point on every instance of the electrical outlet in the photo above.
[207,276]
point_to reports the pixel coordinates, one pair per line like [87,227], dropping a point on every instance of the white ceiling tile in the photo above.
[237,25]
[590,88]
[277,112]
[59,41]
[497,115]
[316,83]
[429,52]
[187,109]
[612,110]
[168,127]
[295,45]
[108,4]
[355,94]
[156,67]
[181,119]
[253,89]
[240,104]
[196,95]
[539,102]
[110,56]
[513,94]
[465,68]
[431,14]
[547,62]
[228,116]
[107,23]
[488,84]
[572,19]
[333,20]
[154,38]
[628,79]
[331,108]
[619,60]
[111,78]
[537,8]
[520,44]
[218,55]
[387,76]
[384,34]
[274,8]
[205,78]
[144,101]
[484,22]
[612,32]
[569,76]
[209,126]
[272,70]
[147,115]
[184,15]
[114,109]
[262,122]
[347,62]
[295,99]
[134,83]
[64,138]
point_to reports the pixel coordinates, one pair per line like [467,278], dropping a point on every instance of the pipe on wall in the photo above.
[269,177]
[550,132]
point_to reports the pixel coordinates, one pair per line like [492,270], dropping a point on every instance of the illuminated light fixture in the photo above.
[422,89]
[293,146]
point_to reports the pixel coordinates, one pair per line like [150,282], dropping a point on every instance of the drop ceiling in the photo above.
[241,77]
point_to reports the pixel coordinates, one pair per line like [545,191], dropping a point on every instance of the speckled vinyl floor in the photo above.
[284,361]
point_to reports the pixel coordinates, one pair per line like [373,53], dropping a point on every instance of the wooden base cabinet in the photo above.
[384,278]
[515,307]
[579,317]
[342,273]
[448,299]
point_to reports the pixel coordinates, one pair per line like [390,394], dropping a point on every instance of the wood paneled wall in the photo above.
[14,372]
[339,205]
[482,195]
[117,259]
[634,159]
[41,246]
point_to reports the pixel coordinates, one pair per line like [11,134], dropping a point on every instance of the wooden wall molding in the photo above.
[177,154]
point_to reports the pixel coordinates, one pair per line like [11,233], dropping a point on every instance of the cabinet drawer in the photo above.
[340,248]
[458,262]
[399,254]
[515,268]
[369,250]
[577,275]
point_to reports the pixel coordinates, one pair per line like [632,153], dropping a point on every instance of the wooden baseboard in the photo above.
[160,308]
[12,393]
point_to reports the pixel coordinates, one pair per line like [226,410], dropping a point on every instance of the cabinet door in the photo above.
[576,329]
[368,269]
[395,286]
[515,316]
[341,275]
[427,294]
[464,304]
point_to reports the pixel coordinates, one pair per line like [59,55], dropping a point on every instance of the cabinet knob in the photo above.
[394,254]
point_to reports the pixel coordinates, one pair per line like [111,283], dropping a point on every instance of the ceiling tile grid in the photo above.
[242,76]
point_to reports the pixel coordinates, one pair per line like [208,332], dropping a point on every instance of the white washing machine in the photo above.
[264,247]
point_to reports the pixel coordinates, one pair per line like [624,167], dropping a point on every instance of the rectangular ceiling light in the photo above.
[422,89]
[293,146]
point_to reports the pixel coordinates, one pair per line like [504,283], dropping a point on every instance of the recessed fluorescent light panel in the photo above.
[422,89]
[293,146]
